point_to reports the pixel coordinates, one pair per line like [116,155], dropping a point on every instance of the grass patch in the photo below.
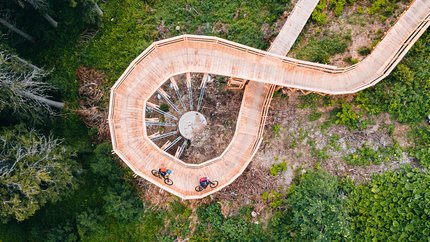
[320,49]
[369,156]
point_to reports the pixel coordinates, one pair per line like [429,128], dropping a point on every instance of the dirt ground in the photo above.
[365,30]
[220,107]
[299,140]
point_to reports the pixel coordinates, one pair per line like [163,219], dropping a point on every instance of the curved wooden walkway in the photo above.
[213,55]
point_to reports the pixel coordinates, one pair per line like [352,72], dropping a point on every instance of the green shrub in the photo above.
[273,198]
[322,48]
[308,101]
[164,107]
[364,50]
[338,6]
[314,116]
[318,15]
[421,150]
[347,116]
[276,130]
[384,7]
[368,156]
[315,210]
[214,227]
[320,154]
[392,207]
[350,60]
[276,169]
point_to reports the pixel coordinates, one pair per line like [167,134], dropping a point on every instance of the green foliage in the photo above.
[164,107]
[320,49]
[320,154]
[368,156]
[103,164]
[87,8]
[130,26]
[393,206]
[350,60]
[34,170]
[214,227]
[315,210]
[334,142]
[385,8]
[276,130]
[347,116]
[309,101]
[314,116]
[421,150]
[406,93]
[318,15]
[364,50]
[273,198]
[123,203]
[63,232]
[88,222]
[276,169]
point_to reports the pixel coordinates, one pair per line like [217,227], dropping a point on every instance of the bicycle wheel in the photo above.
[155,173]
[199,188]
[214,184]
[168,181]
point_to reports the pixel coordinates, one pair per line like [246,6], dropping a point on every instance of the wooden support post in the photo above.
[167,98]
[157,109]
[178,93]
[202,90]
[190,90]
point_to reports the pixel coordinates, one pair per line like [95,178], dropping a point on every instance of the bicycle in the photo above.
[166,178]
[212,184]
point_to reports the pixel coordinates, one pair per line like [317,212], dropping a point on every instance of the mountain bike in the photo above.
[166,178]
[212,184]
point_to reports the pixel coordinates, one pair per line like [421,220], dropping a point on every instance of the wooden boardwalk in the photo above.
[188,53]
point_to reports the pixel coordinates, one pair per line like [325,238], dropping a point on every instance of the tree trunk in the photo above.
[49,102]
[28,63]
[16,30]
[98,9]
[50,20]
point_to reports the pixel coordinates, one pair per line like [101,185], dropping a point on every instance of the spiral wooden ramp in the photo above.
[264,70]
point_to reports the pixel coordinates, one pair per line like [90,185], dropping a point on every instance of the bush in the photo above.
[368,156]
[347,116]
[214,227]
[321,49]
[309,101]
[315,210]
[276,169]
[364,50]
[421,150]
[314,116]
[164,107]
[103,163]
[276,130]
[392,207]
[318,15]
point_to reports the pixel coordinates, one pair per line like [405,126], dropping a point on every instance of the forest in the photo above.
[60,182]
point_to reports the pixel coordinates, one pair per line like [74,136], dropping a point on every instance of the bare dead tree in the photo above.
[21,87]
[42,6]
[11,27]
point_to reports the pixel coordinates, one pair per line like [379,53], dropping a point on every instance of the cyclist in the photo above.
[204,182]
[164,172]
